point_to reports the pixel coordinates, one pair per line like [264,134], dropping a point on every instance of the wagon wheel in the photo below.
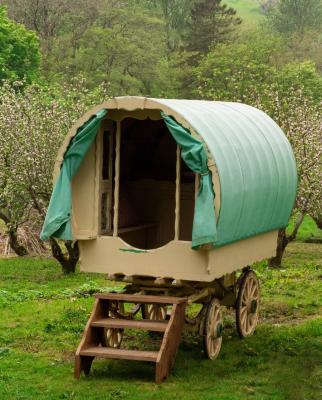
[113,336]
[247,305]
[213,329]
[155,312]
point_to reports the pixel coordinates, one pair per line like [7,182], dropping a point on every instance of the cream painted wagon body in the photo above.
[172,197]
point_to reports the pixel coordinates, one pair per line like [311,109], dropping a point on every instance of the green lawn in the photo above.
[248,10]
[43,313]
[307,231]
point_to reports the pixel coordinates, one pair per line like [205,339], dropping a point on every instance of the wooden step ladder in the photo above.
[93,344]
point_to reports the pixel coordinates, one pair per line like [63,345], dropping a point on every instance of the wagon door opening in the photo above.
[149,199]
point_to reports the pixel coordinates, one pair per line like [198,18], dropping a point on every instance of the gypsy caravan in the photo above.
[176,198]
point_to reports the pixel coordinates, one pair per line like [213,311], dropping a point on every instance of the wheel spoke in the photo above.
[212,343]
[244,318]
[216,312]
[248,288]
[247,308]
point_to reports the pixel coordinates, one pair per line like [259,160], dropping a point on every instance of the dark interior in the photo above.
[148,186]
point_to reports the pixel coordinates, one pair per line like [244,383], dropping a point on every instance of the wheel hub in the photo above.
[253,306]
[219,330]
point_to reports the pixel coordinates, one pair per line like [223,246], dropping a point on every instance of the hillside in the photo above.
[248,10]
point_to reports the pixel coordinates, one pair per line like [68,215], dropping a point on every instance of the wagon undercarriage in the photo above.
[169,308]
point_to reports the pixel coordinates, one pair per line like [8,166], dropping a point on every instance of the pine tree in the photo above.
[210,23]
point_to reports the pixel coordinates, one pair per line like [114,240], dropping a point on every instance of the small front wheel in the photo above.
[154,312]
[213,329]
[113,336]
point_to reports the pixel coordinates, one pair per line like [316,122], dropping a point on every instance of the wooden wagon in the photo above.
[174,198]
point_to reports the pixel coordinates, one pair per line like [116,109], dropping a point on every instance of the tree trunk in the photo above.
[17,247]
[318,222]
[68,261]
[12,229]
[282,242]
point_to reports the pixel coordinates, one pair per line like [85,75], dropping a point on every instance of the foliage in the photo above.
[239,70]
[288,16]
[39,335]
[33,124]
[132,45]
[122,55]
[175,14]
[113,41]
[233,71]
[301,120]
[19,50]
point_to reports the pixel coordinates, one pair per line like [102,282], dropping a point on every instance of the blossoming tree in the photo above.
[33,123]
[301,120]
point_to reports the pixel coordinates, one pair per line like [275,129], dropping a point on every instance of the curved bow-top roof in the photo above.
[253,157]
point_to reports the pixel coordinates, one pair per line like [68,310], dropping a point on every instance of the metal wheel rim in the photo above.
[247,309]
[212,342]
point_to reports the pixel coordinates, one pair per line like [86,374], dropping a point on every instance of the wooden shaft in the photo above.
[177,210]
[117,178]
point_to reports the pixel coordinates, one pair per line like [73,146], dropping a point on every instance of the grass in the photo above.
[307,231]
[248,10]
[43,313]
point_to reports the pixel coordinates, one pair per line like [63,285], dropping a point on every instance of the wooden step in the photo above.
[108,352]
[93,337]
[138,298]
[145,324]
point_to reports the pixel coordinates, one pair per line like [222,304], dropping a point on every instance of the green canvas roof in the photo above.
[255,163]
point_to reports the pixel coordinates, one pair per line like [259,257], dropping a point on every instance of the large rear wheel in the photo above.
[247,305]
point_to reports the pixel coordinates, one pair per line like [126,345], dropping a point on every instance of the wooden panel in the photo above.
[120,354]
[155,326]
[137,298]
[84,206]
[176,260]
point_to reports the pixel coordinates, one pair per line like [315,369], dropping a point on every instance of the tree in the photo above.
[233,71]
[301,120]
[301,75]
[53,18]
[289,16]
[33,123]
[175,15]
[210,23]
[19,50]
[125,51]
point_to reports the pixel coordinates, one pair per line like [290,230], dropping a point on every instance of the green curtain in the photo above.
[58,219]
[193,153]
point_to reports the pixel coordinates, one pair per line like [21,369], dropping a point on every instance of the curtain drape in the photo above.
[58,219]
[193,153]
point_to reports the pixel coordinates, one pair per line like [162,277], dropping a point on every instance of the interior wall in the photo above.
[147,183]
[187,205]
[147,187]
